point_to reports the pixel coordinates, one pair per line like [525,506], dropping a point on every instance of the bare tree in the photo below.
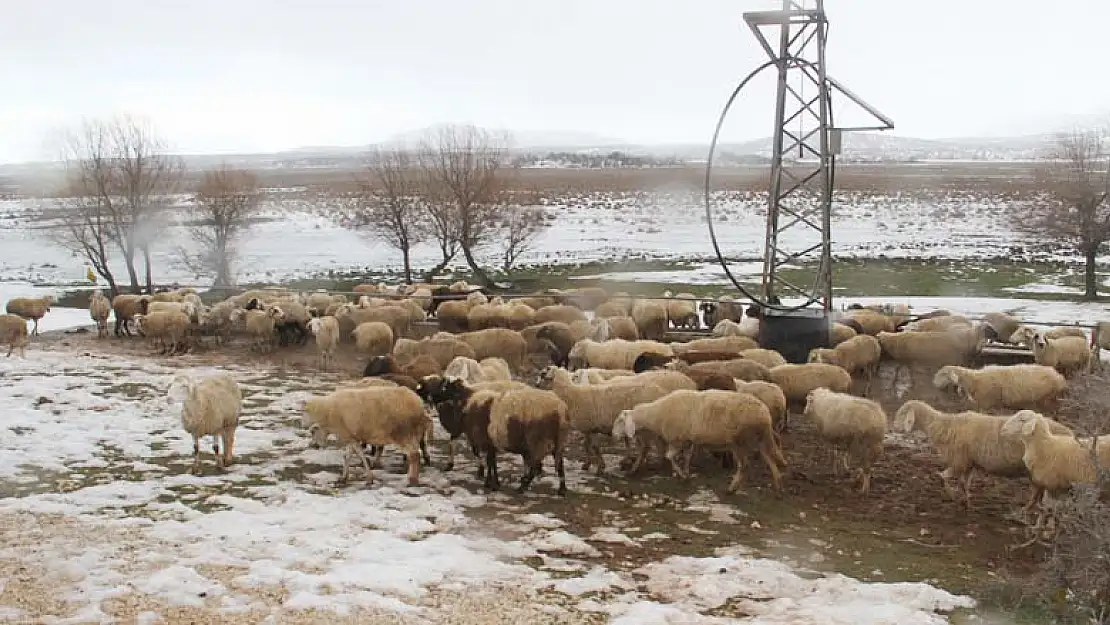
[462,164]
[522,222]
[85,227]
[1076,211]
[223,206]
[391,203]
[119,170]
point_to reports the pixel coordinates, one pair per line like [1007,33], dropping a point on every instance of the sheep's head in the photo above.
[1023,336]
[429,388]
[316,324]
[904,418]
[1021,425]
[811,399]
[379,365]
[276,313]
[546,377]
[708,307]
[580,377]
[253,304]
[820,355]
[946,377]
[624,427]
[180,387]
[1039,341]
[140,321]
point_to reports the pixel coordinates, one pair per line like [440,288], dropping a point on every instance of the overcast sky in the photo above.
[260,75]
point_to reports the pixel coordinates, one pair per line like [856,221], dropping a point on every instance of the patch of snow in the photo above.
[597,580]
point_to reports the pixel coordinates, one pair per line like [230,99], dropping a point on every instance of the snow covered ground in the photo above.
[101,519]
[587,227]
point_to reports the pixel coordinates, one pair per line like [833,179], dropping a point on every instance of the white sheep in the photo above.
[210,406]
[1066,354]
[375,416]
[997,386]
[968,441]
[592,375]
[858,355]
[326,331]
[31,308]
[941,323]
[797,381]
[592,409]
[682,312]
[168,327]
[854,426]
[99,309]
[748,326]
[13,332]
[956,346]
[770,394]
[472,371]
[260,324]
[720,420]
[767,357]
[1056,461]
[372,338]
[613,354]
[651,319]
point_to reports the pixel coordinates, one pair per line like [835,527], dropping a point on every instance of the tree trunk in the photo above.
[407,255]
[1090,278]
[131,273]
[475,268]
[146,267]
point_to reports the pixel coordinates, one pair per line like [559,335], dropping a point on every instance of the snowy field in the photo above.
[101,520]
[586,227]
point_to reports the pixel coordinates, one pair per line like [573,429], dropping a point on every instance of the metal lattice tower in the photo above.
[805,143]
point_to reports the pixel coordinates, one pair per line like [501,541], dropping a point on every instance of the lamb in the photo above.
[498,342]
[968,441]
[326,331]
[770,394]
[1067,354]
[858,355]
[682,312]
[798,381]
[13,332]
[735,422]
[651,319]
[210,406]
[747,326]
[398,318]
[470,370]
[592,409]
[372,338]
[613,354]
[1013,386]
[260,325]
[167,327]
[126,306]
[418,367]
[853,425]
[377,416]
[99,309]
[218,322]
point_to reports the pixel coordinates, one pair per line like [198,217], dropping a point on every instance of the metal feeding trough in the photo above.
[793,333]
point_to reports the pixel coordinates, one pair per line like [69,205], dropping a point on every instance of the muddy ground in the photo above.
[905,530]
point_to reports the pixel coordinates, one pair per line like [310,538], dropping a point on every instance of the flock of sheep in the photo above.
[611,374]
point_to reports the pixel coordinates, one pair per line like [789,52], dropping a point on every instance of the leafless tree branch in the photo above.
[223,207]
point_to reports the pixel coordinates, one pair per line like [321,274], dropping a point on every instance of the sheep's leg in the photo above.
[229,441]
[450,464]
[196,454]
[865,483]
[835,462]
[587,448]
[1034,498]
[414,466]
[365,463]
[342,481]
[772,466]
[216,451]
[492,482]
[671,455]
[641,453]
[967,488]
[424,453]
[35,332]
[689,457]
[529,472]
[738,476]
[557,455]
